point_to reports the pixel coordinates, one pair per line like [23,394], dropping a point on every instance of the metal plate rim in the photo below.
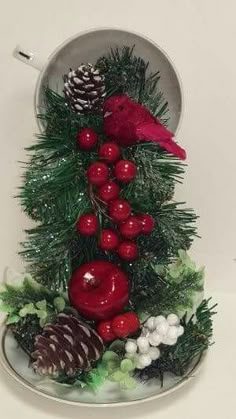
[109,28]
[24,383]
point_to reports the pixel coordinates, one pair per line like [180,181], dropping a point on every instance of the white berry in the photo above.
[154,353]
[131,347]
[180,330]
[154,339]
[172,332]
[159,319]
[168,341]
[143,344]
[133,357]
[162,328]
[173,319]
[145,331]
[144,360]
[150,323]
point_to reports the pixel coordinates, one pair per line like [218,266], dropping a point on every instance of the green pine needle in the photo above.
[126,73]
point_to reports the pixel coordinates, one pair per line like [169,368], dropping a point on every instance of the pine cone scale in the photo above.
[84,334]
[48,356]
[65,339]
[54,357]
[84,89]
[66,347]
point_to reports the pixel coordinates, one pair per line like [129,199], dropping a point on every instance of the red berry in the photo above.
[120,326]
[109,152]
[147,223]
[125,171]
[109,191]
[87,139]
[108,240]
[119,210]
[104,330]
[87,225]
[98,173]
[131,228]
[128,250]
[134,323]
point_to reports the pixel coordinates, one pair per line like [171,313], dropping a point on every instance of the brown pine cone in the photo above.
[66,347]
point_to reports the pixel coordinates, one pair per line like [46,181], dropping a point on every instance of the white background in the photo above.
[199,36]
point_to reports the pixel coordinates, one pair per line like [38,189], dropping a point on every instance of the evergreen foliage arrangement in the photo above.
[56,193]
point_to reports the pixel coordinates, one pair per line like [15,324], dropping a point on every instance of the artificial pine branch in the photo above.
[29,292]
[175,229]
[126,73]
[155,292]
[25,332]
[55,194]
[59,119]
[157,174]
[29,306]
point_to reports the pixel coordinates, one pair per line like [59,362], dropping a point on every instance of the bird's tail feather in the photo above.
[158,133]
[173,148]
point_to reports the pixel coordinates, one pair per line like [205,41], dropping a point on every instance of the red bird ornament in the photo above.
[126,122]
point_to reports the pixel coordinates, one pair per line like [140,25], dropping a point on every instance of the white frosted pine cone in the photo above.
[84,89]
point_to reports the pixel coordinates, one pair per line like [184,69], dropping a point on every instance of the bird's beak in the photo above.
[106,114]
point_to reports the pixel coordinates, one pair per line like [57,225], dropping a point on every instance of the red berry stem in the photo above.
[92,199]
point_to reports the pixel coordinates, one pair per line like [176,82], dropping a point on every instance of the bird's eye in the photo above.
[121,107]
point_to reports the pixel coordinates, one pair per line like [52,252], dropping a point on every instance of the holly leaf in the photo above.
[186,260]
[59,303]
[129,383]
[117,376]
[95,380]
[6,308]
[12,319]
[27,309]
[102,370]
[175,270]
[42,314]
[111,361]
[110,356]
[127,365]
[41,305]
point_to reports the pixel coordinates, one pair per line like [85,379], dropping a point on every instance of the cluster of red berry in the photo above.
[121,326]
[119,210]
